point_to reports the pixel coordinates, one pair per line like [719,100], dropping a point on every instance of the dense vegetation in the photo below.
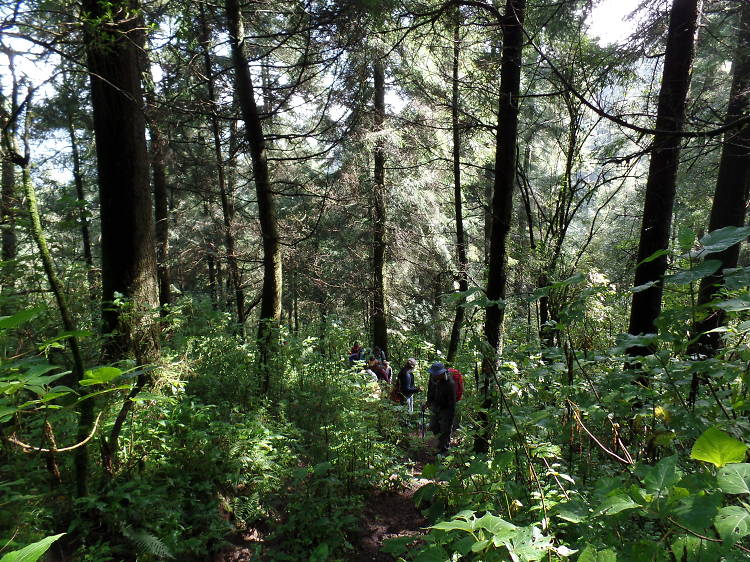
[205,205]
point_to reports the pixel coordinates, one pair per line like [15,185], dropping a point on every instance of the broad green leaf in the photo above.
[433,553]
[685,239]
[688,548]
[662,476]
[38,369]
[8,322]
[626,341]
[734,479]
[723,238]
[479,546]
[617,502]
[479,467]
[703,269]
[733,523]
[655,256]
[737,277]
[574,279]
[718,448]
[425,494]
[100,375]
[495,525]
[31,553]
[737,304]
[698,512]
[429,471]
[453,525]
[6,413]
[574,511]
[590,554]
[64,336]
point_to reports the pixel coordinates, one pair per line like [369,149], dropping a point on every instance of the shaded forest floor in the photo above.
[386,514]
[392,514]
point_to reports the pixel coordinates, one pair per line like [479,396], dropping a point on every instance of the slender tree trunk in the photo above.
[161,211]
[85,410]
[502,200]
[662,172]
[379,312]
[227,207]
[270,306]
[9,251]
[83,216]
[731,194]
[463,264]
[161,199]
[212,279]
[8,206]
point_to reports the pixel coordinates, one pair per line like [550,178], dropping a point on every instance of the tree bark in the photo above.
[161,198]
[8,206]
[502,200]
[270,306]
[463,264]
[731,194]
[83,217]
[127,239]
[379,311]
[662,173]
[227,207]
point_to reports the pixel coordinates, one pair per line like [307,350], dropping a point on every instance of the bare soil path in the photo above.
[392,514]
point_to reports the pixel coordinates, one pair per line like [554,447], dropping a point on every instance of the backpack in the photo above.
[458,378]
[395,394]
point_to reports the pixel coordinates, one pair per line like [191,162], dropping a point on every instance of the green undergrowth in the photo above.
[206,460]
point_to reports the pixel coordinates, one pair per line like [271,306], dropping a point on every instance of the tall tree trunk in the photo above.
[9,251]
[161,198]
[83,216]
[161,212]
[127,242]
[8,206]
[502,200]
[227,206]
[270,305]
[662,172]
[463,264]
[379,322]
[731,194]
[127,226]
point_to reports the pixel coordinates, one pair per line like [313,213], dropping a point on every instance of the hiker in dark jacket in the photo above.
[441,399]
[406,385]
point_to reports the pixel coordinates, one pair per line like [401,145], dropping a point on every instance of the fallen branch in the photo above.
[15,441]
[614,455]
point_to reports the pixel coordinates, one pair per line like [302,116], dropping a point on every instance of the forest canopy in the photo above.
[250,252]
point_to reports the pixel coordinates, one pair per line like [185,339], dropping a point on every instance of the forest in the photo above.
[352,280]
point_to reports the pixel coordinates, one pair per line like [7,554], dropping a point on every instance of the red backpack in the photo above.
[459,380]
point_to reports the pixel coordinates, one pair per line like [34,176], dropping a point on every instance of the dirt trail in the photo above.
[386,515]
[391,514]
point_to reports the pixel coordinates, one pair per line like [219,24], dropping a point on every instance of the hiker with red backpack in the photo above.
[441,399]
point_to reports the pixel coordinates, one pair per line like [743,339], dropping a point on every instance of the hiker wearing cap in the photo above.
[441,399]
[406,383]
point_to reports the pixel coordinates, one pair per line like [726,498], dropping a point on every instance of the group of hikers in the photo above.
[444,390]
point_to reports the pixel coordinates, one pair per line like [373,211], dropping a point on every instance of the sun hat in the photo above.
[437,368]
